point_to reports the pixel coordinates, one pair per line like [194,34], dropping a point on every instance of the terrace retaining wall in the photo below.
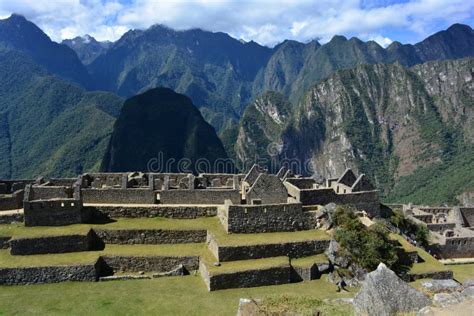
[184,212]
[51,274]
[151,263]
[294,249]
[55,244]
[150,236]
[243,279]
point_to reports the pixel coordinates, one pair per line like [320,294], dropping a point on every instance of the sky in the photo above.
[267,22]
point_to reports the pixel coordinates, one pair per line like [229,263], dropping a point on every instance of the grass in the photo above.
[243,265]
[165,296]
[308,261]
[462,272]
[224,239]
[301,305]
[7,260]
[429,263]
[19,230]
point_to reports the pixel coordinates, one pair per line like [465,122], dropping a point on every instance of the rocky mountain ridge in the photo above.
[387,121]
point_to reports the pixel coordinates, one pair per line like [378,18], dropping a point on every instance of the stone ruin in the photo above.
[243,204]
[451,229]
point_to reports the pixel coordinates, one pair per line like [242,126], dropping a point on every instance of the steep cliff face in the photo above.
[260,130]
[387,121]
[158,128]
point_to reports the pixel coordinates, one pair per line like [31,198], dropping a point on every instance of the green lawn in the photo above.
[166,296]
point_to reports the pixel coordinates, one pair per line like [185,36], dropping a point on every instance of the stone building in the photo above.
[451,228]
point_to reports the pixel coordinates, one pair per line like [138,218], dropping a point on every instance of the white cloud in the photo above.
[267,22]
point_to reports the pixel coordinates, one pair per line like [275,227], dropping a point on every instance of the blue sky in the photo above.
[266,22]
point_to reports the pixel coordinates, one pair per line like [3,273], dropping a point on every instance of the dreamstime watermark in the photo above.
[274,158]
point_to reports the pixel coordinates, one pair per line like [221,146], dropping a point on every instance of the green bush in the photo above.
[368,246]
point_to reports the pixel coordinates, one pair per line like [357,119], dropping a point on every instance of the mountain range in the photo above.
[401,114]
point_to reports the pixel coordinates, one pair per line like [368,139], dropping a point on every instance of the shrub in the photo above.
[368,246]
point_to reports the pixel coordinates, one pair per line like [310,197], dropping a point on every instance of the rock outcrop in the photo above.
[384,293]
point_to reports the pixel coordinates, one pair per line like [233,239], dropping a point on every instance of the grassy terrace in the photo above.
[225,239]
[307,261]
[19,230]
[430,264]
[242,265]
[210,223]
[462,272]
[168,296]
[7,260]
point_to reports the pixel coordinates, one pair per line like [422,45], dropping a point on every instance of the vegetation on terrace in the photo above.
[367,246]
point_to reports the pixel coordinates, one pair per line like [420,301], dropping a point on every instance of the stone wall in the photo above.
[468,215]
[455,247]
[175,211]
[65,182]
[52,212]
[440,228]
[244,279]
[199,196]
[4,242]
[118,196]
[12,202]
[367,201]
[10,217]
[102,180]
[54,244]
[51,274]
[294,249]
[44,192]
[262,218]
[150,236]
[302,183]
[306,273]
[438,275]
[14,185]
[268,189]
[151,263]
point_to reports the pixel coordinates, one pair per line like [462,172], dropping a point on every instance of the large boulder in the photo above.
[384,293]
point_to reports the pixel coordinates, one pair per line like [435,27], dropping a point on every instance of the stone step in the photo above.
[292,245]
[245,273]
